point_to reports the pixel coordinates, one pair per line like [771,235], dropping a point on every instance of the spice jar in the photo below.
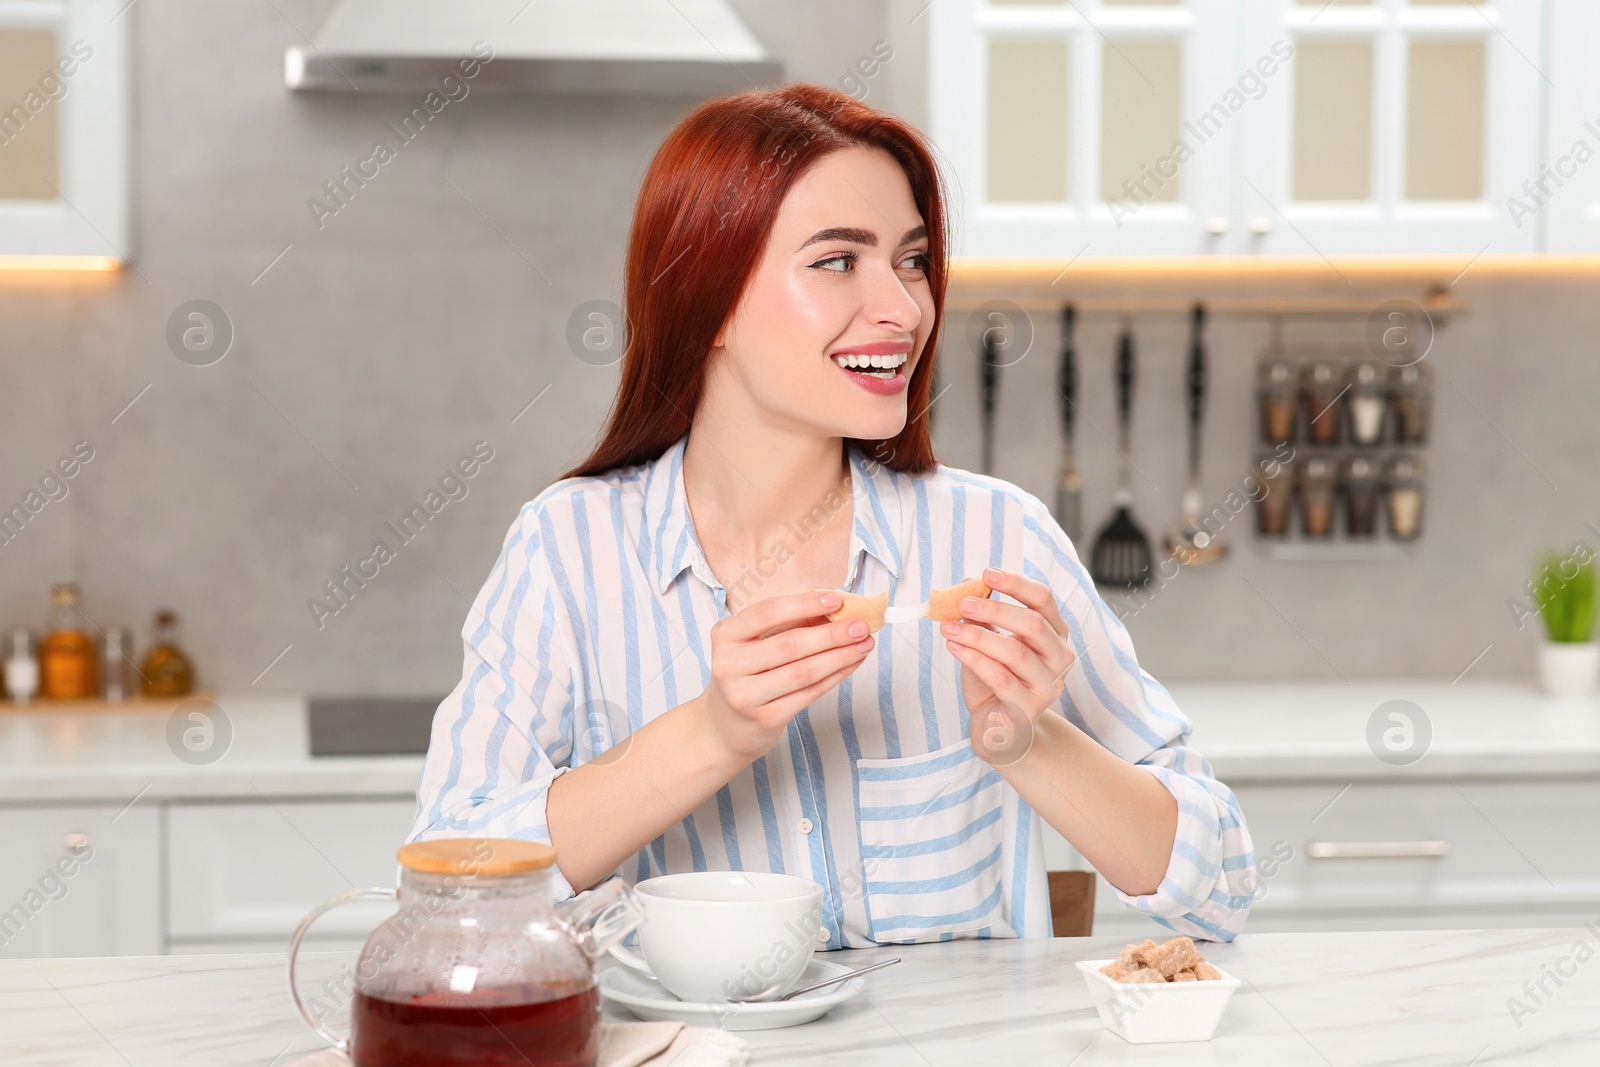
[1360,486]
[1404,492]
[1367,402]
[1322,392]
[1318,479]
[1277,496]
[1275,395]
[1413,400]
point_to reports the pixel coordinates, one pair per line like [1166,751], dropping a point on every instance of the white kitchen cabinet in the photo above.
[65,107]
[1060,121]
[1280,127]
[1400,126]
[81,880]
[247,872]
[1469,853]
[1561,202]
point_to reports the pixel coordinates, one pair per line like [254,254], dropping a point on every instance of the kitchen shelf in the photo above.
[1376,551]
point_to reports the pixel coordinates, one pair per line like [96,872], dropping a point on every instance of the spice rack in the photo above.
[1342,437]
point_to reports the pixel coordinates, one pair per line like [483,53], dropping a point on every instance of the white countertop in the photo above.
[1409,997]
[1250,731]
[1275,731]
[64,755]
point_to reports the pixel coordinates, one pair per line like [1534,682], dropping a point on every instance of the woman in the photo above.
[652,684]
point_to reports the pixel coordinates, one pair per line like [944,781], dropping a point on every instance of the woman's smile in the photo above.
[878,368]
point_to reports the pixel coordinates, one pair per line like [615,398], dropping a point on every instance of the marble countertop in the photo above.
[1250,731]
[1410,997]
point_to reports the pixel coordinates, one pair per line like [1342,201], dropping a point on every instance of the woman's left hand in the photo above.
[1009,678]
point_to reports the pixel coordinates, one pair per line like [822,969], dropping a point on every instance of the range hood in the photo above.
[689,48]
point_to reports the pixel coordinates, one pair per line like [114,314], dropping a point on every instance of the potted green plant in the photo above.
[1569,659]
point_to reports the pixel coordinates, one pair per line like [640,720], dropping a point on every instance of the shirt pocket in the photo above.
[931,840]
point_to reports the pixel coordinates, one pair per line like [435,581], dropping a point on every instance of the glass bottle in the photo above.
[1317,495]
[1275,395]
[115,665]
[22,667]
[1404,492]
[1321,391]
[1361,485]
[1413,401]
[1367,403]
[1277,496]
[167,672]
[68,658]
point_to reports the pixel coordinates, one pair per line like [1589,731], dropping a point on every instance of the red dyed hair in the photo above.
[700,226]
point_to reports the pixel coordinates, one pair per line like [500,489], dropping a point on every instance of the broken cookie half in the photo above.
[943,605]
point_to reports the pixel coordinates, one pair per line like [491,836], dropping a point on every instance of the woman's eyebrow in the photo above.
[856,235]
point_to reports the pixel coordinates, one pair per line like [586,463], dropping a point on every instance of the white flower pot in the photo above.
[1569,668]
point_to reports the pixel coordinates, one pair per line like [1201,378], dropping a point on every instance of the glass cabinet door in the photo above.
[1402,126]
[1068,124]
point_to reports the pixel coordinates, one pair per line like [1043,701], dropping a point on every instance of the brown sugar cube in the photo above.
[1176,955]
[1117,969]
[1143,976]
[1140,954]
[854,606]
[1204,972]
[944,605]
[1183,976]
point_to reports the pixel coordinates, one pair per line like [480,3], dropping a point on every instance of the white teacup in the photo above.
[715,936]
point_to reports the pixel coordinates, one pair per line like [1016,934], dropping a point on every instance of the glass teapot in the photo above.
[478,966]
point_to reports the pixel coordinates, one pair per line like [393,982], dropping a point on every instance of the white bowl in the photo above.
[1168,1011]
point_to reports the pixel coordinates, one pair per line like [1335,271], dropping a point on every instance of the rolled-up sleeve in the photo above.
[1207,888]
[506,731]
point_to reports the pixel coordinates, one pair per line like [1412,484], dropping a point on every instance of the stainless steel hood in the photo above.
[689,48]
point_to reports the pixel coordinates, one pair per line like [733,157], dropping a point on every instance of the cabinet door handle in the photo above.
[1261,225]
[76,842]
[1217,225]
[1376,850]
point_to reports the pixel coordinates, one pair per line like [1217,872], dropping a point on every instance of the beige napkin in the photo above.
[629,1045]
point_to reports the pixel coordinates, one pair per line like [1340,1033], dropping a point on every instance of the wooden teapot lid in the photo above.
[472,856]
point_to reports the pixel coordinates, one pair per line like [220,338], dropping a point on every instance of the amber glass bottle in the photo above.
[167,672]
[68,659]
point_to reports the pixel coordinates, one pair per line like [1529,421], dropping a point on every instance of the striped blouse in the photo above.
[595,619]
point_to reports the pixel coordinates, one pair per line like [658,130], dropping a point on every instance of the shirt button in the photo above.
[822,936]
[805,826]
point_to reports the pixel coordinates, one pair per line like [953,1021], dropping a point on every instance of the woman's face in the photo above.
[844,273]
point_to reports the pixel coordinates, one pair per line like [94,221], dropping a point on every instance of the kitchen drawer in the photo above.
[246,871]
[79,880]
[1503,844]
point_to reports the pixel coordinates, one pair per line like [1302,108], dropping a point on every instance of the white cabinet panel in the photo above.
[1509,845]
[1562,200]
[80,881]
[245,871]
[1514,853]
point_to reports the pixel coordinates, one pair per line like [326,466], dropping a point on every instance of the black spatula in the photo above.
[1121,555]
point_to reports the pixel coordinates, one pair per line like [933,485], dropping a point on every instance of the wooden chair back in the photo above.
[1072,903]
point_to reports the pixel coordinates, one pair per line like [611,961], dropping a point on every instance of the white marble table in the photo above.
[1419,997]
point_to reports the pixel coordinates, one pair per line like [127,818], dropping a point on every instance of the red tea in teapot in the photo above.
[532,1025]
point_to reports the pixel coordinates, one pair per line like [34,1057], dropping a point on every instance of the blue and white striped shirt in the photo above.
[588,627]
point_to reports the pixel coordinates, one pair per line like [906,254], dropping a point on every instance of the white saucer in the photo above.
[645,998]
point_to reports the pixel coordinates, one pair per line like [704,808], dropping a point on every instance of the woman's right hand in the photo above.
[770,659]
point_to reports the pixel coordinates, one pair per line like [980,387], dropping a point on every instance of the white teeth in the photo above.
[888,362]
